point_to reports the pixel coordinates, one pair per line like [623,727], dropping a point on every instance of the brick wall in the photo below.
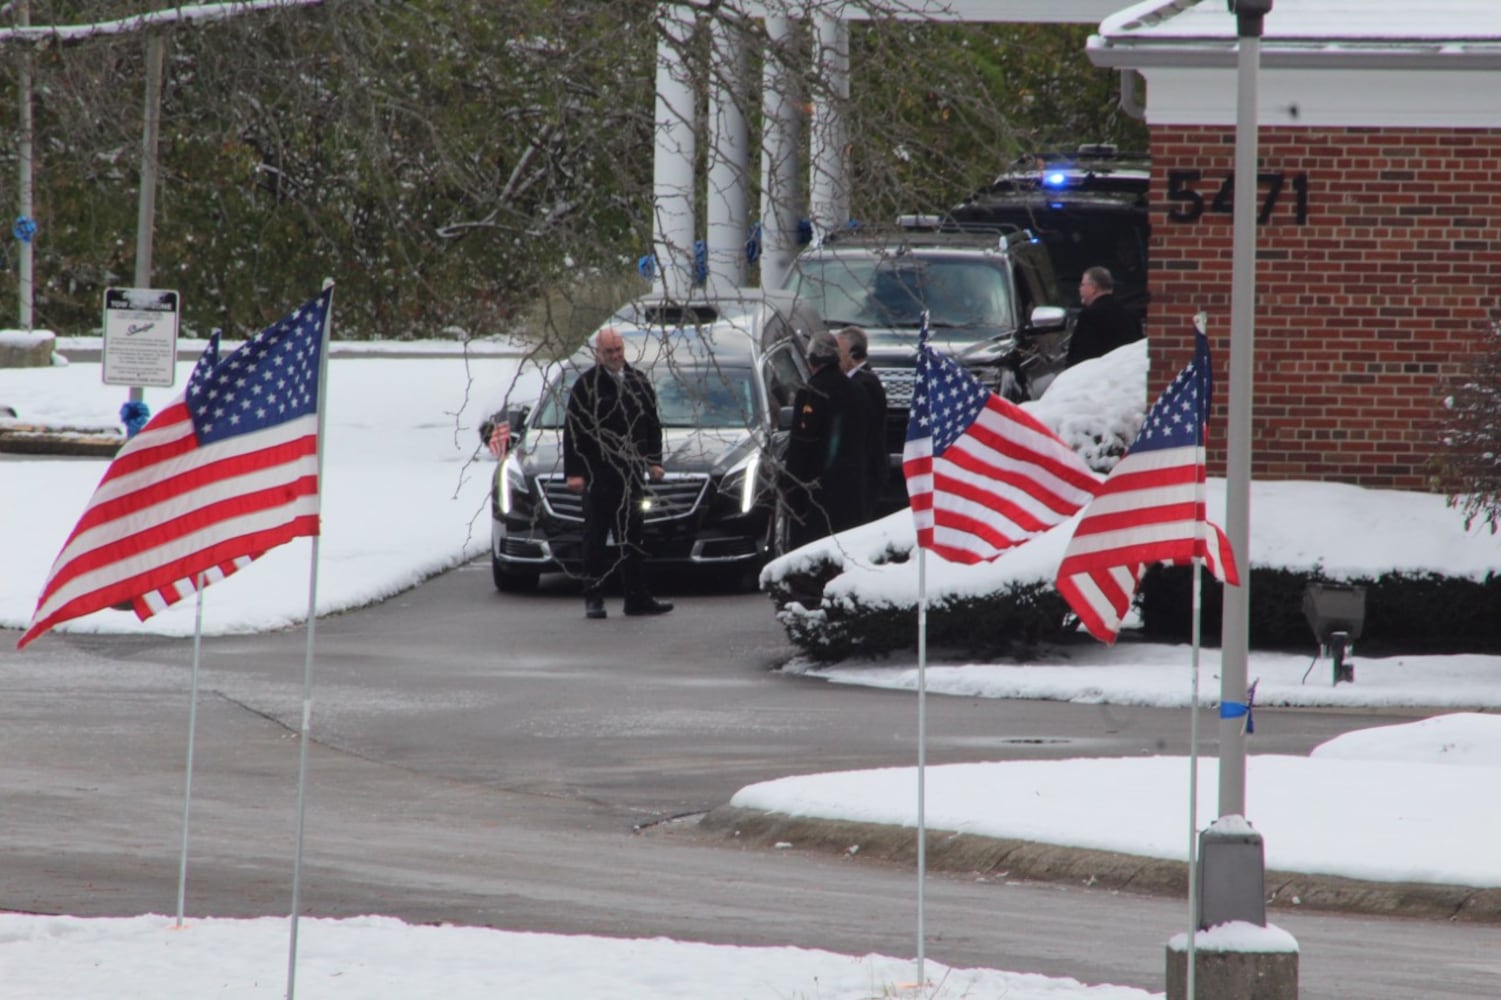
[1365,308]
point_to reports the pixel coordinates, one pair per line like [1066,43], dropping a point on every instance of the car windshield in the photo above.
[687,396]
[893,292]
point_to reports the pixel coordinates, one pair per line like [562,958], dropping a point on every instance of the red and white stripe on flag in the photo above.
[225,472]
[983,475]
[159,600]
[1150,508]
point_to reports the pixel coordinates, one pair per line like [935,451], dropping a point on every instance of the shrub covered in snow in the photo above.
[1431,583]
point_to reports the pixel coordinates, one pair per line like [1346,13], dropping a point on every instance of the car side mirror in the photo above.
[784,418]
[515,427]
[516,417]
[1047,319]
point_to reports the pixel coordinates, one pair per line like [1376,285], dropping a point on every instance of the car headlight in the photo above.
[743,480]
[510,483]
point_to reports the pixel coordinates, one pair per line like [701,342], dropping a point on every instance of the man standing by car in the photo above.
[1104,324]
[824,474]
[612,441]
[853,345]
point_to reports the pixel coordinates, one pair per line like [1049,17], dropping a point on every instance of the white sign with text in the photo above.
[140,337]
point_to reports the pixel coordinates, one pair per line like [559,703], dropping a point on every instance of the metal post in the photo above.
[27,283]
[922,767]
[1235,632]
[146,204]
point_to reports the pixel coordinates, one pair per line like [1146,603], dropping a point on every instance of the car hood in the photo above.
[898,346]
[712,450]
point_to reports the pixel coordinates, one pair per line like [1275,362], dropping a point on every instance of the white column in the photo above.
[673,220]
[779,164]
[828,173]
[728,155]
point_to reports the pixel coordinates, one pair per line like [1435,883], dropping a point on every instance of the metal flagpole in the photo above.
[1235,640]
[307,669]
[1201,325]
[1193,770]
[922,760]
[187,791]
[922,726]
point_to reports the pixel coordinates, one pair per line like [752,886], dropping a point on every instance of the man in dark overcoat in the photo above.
[612,442]
[854,347]
[825,468]
[1103,323]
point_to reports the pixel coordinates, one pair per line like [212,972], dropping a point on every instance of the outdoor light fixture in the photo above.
[1250,8]
[1336,613]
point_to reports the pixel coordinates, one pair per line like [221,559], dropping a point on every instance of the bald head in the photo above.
[609,349]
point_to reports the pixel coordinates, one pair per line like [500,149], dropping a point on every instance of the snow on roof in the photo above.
[1463,34]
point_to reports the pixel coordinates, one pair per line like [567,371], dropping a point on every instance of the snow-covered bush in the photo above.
[1430,580]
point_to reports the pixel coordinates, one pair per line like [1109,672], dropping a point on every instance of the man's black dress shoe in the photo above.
[594,607]
[648,606]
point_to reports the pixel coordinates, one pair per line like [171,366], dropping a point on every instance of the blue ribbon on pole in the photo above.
[646,265]
[24,229]
[1239,709]
[134,413]
[700,262]
[753,244]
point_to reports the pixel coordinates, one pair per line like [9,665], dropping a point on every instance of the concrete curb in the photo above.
[961,853]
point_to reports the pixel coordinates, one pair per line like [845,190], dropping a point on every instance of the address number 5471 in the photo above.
[1188,202]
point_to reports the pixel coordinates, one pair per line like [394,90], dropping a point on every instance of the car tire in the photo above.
[779,534]
[509,581]
[776,545]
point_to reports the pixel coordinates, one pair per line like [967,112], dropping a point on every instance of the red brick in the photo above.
[1363,313]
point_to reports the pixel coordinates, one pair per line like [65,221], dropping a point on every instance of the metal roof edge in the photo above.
[1281,54]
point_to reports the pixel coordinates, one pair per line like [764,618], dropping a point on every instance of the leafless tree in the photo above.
[1468,468]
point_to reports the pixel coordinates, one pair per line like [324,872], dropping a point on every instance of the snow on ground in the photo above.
[405,498]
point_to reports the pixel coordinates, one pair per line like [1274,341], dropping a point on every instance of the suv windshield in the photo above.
[893,292]
[718,397]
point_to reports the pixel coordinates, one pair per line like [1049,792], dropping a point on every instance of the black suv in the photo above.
[992,299]
[1087,207]
[723,372]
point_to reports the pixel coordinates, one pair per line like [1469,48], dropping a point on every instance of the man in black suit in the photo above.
[853,347]
[823,479]
[1103,324]
[612,441]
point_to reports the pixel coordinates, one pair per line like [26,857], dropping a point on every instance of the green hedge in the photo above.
[1416,613]
[1403,613]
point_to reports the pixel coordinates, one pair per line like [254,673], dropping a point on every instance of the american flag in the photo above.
[1150,509]
[225,472]
[982,474]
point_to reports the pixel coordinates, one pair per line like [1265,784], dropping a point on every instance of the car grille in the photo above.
[898,383]
[677,496]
